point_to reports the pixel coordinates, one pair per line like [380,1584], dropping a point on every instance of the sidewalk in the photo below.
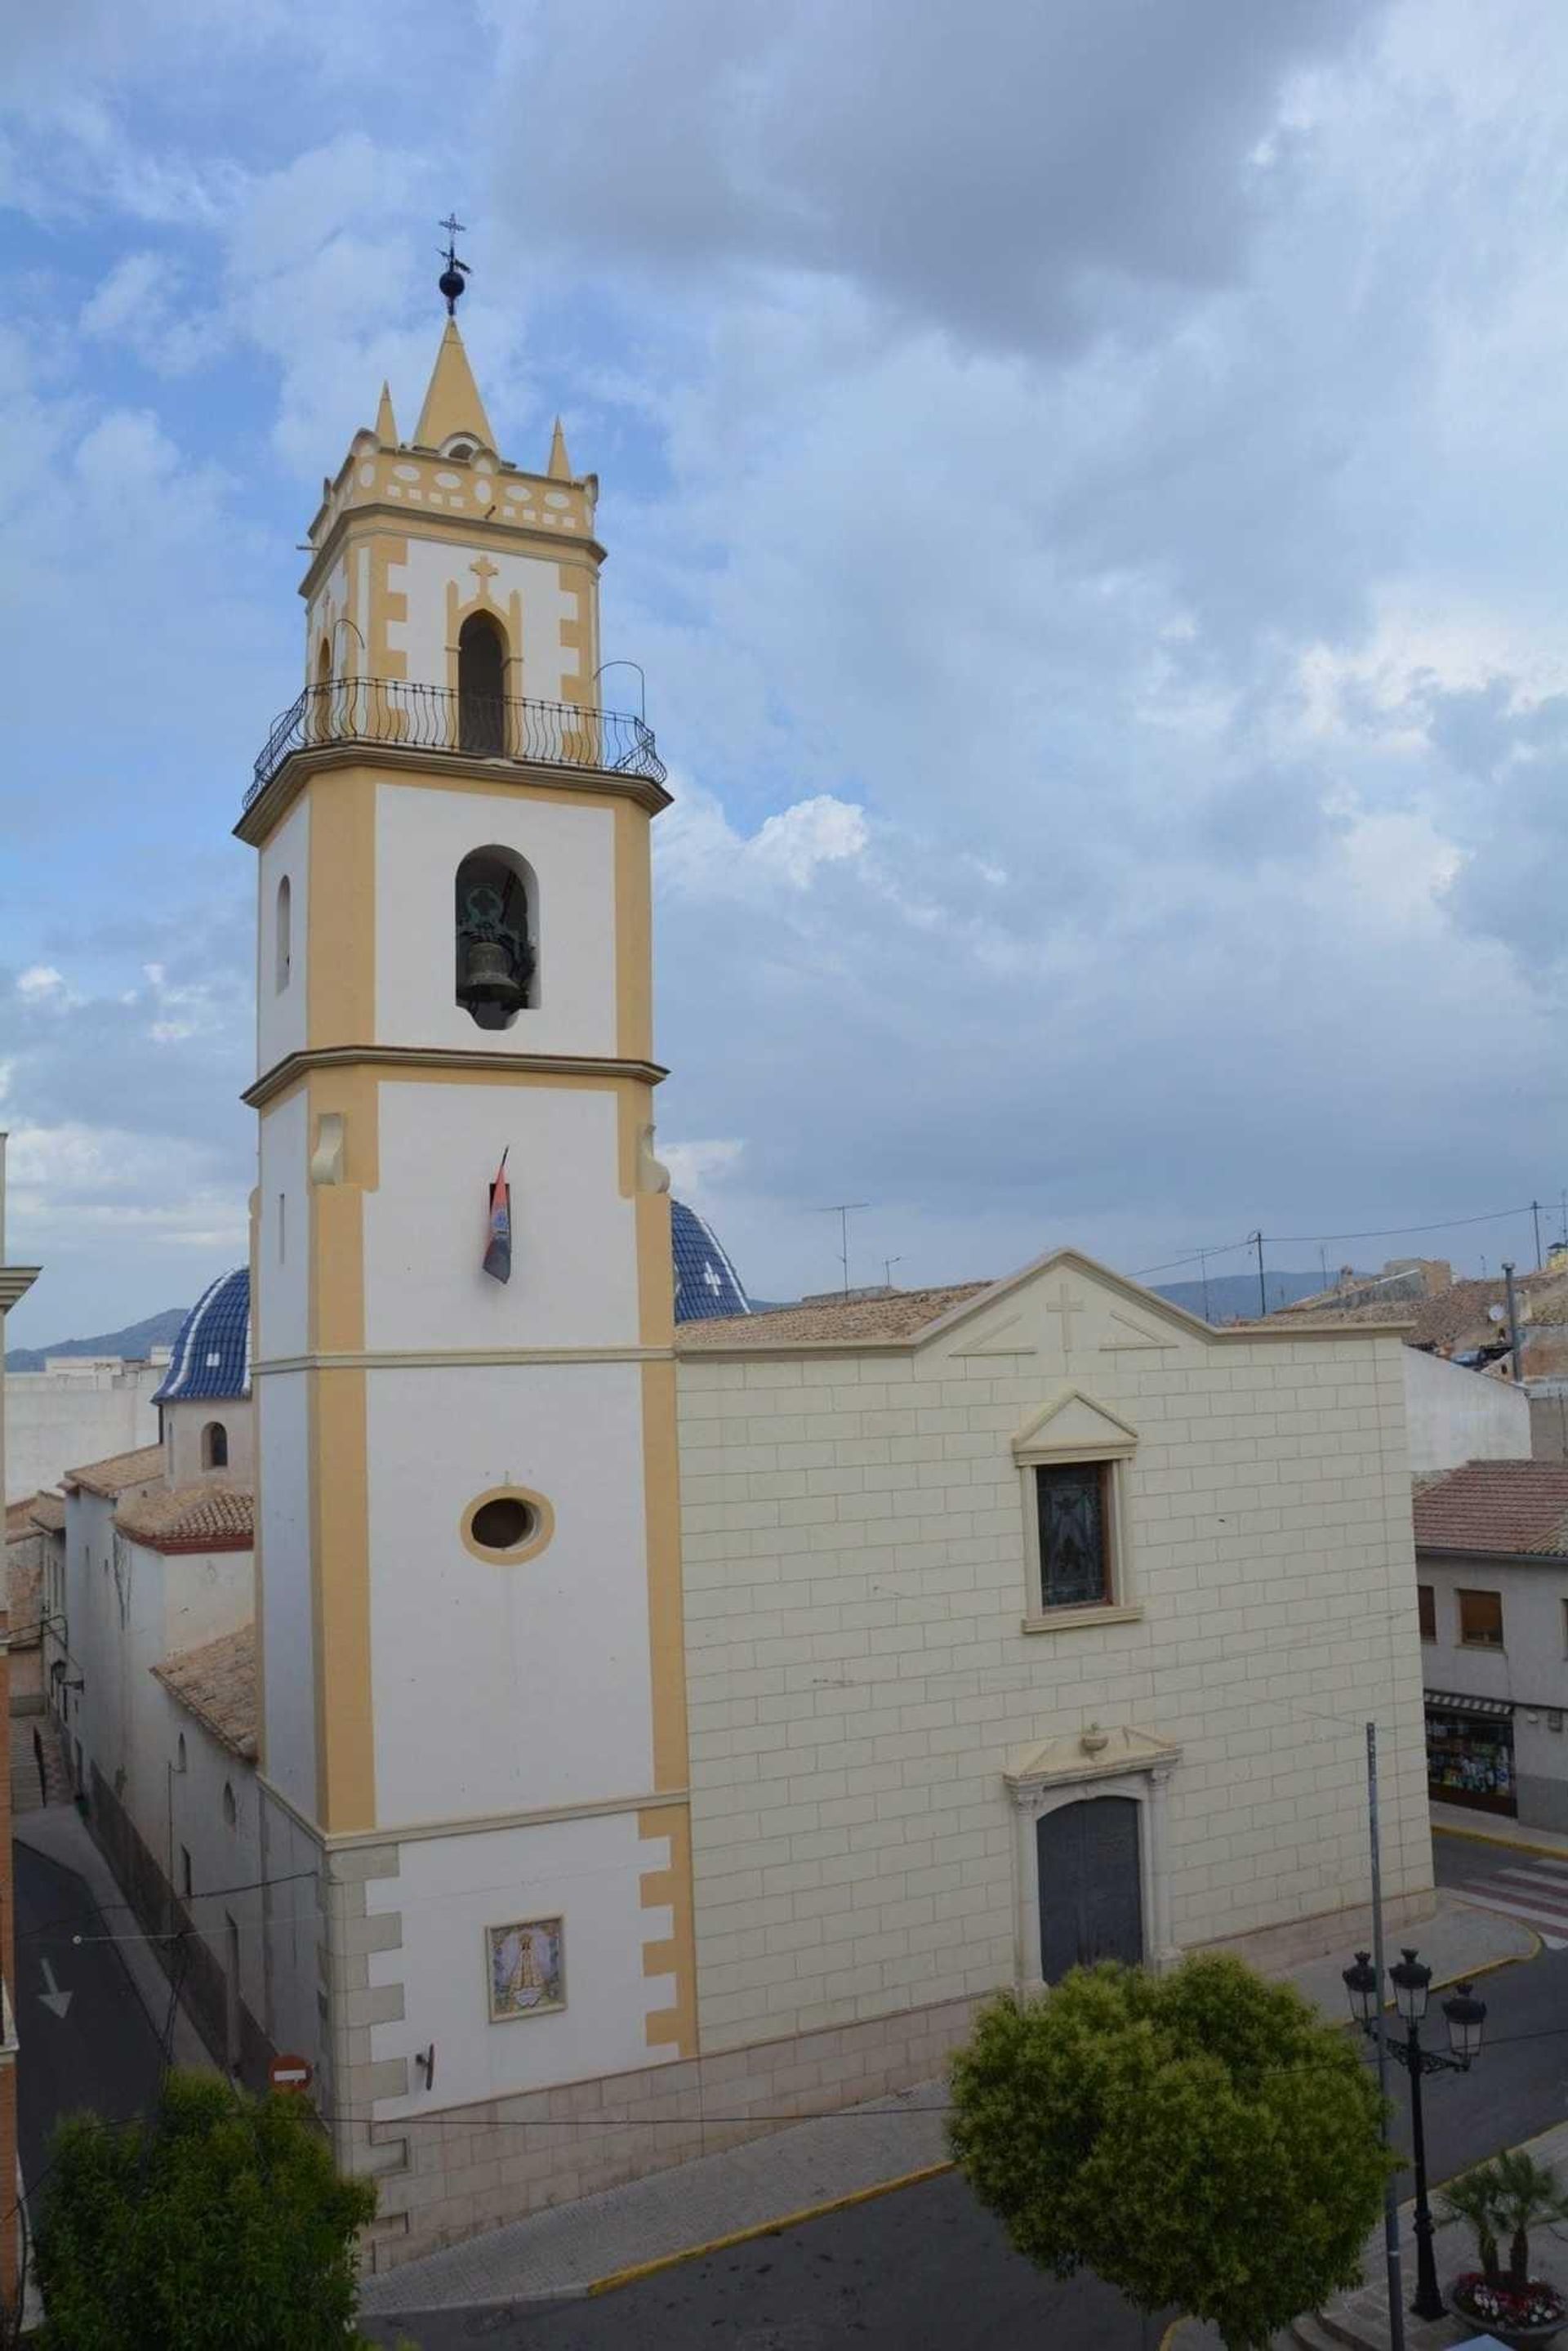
[805,2169]
[58,1832]
[1361,2319]
[1496,1828]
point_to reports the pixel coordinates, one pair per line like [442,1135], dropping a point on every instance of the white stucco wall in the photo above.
[281,1012]
[856,1581]
[128,1607]
[422,638]
[448,1890]
[225,1859]
[281,1308]
[287,1626]
[503,1688]
[1456,1415]
[60,1420]
[421,838]
[574,1240]
[185,1427]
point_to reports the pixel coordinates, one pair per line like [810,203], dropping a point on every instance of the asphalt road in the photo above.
[922,2270]
[102,2052]
[926,2268]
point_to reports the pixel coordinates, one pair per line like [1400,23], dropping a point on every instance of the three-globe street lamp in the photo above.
[1466,2019]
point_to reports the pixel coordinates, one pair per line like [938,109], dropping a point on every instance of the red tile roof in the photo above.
[217,1684]
[201,1516]
[119,1473]
[1519,1506]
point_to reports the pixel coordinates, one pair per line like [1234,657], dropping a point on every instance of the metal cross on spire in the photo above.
[452,278]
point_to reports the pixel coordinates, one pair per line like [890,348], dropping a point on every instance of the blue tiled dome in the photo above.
[706,1283]
[212,1352]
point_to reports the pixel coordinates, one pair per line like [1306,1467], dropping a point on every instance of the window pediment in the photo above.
[1074,1428]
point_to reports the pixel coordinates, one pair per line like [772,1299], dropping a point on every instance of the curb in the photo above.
[636,2269]
[1507,1844]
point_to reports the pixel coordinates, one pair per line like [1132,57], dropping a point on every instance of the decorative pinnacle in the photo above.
[452,279]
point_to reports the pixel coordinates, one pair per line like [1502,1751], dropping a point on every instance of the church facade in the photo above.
[658,1728]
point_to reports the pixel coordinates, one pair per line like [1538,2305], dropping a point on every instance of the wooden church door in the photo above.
[1091,1898]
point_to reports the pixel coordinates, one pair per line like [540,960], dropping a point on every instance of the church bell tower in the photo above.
[469,1606]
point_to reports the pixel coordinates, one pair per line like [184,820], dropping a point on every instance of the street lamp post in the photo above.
[1466,2017]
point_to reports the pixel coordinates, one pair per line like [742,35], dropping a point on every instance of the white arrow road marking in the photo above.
[54,1997]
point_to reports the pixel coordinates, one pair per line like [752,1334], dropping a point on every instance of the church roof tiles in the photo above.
[217,1684]
[118,1474]
[842,1321]
[201,1516]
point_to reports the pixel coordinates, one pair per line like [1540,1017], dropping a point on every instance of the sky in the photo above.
[1085,485]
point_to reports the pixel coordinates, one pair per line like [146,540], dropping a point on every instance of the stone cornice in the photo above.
[410,1058]
[277,796]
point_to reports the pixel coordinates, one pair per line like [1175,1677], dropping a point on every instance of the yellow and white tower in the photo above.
[469,1601]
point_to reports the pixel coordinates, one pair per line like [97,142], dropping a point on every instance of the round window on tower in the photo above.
[507,1525]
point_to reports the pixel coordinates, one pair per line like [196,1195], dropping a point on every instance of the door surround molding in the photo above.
[1075,1769]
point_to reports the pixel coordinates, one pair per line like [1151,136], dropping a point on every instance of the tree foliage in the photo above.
[1200,2140]
[221,2220]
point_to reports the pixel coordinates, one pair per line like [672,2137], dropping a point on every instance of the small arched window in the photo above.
[481,686]
[497,935]
[179,1765]
[283,929]
[215,1446]
[231,1810]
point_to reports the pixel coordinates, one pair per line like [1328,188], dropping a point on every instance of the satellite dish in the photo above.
[1497,1314]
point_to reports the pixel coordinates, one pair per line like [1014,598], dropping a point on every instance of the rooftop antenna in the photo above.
[888,1265]
[843,1210]
[452,281]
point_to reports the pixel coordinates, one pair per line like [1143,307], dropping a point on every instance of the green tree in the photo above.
[1200,2140]
[1506,2197]
[221,2219]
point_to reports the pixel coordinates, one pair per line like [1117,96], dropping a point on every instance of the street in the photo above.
[87,2040]
[926,2266]
[922,2270]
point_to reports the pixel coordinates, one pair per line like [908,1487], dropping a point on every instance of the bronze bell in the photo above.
[488,976]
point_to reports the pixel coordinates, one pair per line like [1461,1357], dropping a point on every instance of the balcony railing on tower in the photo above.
[437,718]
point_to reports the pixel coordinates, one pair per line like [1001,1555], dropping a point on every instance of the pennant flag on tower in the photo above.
[498,1247]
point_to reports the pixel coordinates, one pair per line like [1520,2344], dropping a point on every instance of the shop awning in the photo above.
[1453,1702]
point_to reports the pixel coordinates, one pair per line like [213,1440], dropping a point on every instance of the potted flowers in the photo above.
[1505,2199]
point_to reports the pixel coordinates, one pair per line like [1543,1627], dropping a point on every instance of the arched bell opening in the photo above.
[497,936]
[481,686]
[215,1446]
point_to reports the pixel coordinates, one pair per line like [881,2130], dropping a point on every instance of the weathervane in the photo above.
[451,280]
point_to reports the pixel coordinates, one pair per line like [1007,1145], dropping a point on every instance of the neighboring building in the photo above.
[77,1408]
[654,1708]
[15,1280]
[1456,1415]
[1492,1565]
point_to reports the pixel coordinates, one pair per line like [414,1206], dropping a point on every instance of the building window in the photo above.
[231,1810]
[285,925]
[180,1764]
[1427,1610]
[185,1872]
[507,1525]
[215,1446]
[1481,1619]
[1073,1503]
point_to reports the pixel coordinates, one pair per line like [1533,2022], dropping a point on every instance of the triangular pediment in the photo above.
[1009,1338]
[1094,1753]
[1074,1426]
